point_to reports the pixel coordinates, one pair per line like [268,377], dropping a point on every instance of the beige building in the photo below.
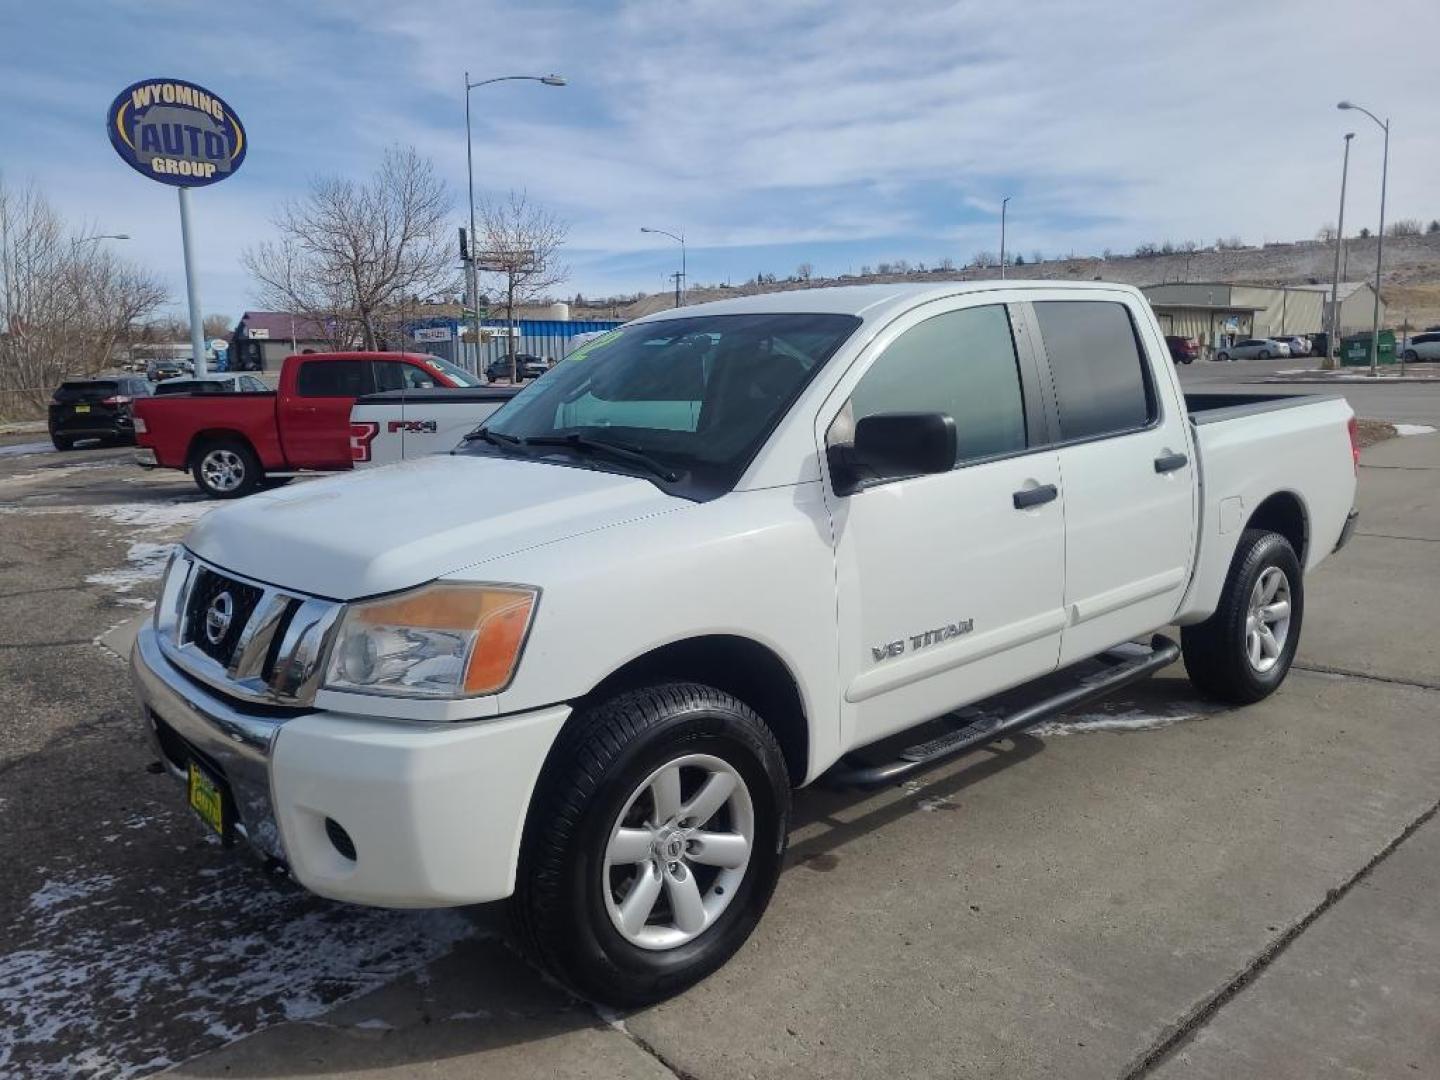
[1220,312]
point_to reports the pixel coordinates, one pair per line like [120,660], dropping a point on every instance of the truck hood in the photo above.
[390,528]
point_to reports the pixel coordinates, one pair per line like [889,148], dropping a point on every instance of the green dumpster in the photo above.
[1355,349]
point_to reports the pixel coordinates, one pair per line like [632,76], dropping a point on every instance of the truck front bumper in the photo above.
[433,812]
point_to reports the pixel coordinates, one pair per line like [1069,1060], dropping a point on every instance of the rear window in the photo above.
[1102,385]
[331,378]
[74,391]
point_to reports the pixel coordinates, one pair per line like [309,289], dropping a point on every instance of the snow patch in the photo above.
[20,449]
[1123,718]
[1413,429]
[222,955]
[145,561]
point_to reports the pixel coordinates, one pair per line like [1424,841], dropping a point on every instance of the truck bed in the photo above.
[1213,408]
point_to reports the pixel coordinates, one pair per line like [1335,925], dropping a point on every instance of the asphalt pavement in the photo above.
[1154,887]
[1383,398]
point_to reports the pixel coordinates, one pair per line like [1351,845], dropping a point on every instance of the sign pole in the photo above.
[197,331]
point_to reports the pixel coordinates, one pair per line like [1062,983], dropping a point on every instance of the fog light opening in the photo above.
[340,839]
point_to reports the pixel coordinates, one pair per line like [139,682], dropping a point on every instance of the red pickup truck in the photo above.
[233,443]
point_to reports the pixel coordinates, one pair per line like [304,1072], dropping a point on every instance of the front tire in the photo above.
[652,844]
[1223,357]
[1412,355]
[1242,653]
[1264,354]
[227,469]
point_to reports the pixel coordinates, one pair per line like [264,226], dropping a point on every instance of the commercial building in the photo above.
[262,339]
[1220,313]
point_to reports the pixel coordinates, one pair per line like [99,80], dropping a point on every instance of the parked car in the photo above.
[160,370]
[583,661]
[212,384]
[528,365]
[1252,349]
[95,409]
[401,424]
[1183,350]
[1423,347]
[233,442]
[1299,346]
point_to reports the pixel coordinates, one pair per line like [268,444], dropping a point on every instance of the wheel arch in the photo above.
[738,665]
[209,435]
[1284,513]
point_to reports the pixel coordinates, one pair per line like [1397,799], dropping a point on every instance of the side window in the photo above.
[1102,382]
[331,378]
[252,384]
[393,375]
[962,363]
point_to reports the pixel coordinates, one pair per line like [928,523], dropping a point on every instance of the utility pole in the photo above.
[1332,351]
[1003,204]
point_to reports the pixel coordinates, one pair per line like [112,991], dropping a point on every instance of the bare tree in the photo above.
[804,271]
[66,302]
[217,326]
[1405,227]
[350,254]
[1326,233]
[984,259]
[520,242]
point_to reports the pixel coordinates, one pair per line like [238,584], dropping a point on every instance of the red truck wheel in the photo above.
[226,469]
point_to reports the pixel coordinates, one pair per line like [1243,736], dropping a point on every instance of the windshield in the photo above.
[698,395]
[458,375]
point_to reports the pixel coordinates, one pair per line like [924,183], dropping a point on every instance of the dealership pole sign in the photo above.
[185,136]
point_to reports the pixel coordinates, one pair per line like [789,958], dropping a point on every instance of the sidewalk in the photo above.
[1414,372]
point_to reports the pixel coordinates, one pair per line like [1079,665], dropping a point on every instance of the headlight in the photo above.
[442,640]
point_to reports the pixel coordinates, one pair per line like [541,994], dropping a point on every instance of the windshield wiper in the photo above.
[496,438]
[631,454]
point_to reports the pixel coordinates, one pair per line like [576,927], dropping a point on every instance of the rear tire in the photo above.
[1223,357]
[1264,354]
[1243,652]
[1412,355]
[62,443]
[599,836]
[226,469]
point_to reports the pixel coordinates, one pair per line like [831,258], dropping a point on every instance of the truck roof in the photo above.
[866,301]
[309,356]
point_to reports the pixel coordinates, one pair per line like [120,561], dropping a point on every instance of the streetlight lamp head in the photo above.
[1349,135]
[121,236]
[1345,105]
[644,229]
[553,80]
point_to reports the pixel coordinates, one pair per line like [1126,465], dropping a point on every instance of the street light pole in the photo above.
[1333,348]
[680,238]
[471,298]
[1384,126]
[1003,203]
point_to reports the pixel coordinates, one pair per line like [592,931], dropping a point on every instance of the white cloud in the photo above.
[845,121]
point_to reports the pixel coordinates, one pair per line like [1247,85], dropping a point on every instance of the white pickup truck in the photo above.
[726,551]
[396,425]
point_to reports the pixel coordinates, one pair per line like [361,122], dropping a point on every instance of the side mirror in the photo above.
[892,445]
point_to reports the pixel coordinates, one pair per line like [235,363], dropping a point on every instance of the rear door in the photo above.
[1124,455]
[315,417]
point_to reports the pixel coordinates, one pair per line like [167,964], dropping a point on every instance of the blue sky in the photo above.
[835,132]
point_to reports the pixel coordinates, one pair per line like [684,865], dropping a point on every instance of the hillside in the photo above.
[1411,284]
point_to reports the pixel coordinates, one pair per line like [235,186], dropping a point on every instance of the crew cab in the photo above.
[400,424]
[233,443]
[836,536]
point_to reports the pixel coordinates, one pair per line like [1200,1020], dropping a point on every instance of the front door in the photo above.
[949,586]
[1125,460]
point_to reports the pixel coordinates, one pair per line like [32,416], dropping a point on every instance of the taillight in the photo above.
[116,399]
[1354,428]
[362,434]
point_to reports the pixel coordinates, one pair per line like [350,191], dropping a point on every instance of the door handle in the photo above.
[1035,496]
[1170,462]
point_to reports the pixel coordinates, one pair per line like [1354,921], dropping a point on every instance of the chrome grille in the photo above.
[240,599]
[272,652]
